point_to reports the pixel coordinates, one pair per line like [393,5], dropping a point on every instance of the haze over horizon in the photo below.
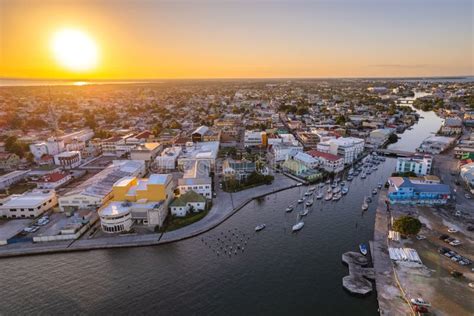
[146,40]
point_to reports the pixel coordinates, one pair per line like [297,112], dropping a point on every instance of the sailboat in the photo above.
[309,202]
[319,196]
[365,205]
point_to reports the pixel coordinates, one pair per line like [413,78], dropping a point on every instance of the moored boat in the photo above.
[328,196]
[305,212]
[300,201]
[309,202]
[319,196]
[363,249]
[345,190]
[297,226]
[260,227]
[337,196]
[289,208]
[365,205]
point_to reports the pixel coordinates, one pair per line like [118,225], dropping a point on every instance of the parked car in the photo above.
[420,237]
[452,230]
[468,196]
[443,237]
[455,242]
[443,250]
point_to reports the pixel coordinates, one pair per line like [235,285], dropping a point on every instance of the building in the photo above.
[306,159]
[28,205]
[281,151]
[379,137]
[13,177]
[142,201]
[190,201]
[420,165]
[53,180]
[51,147]
[328,162]
[405,191]
[435,144]
[297,168]
[204,134]
[9,161]
[349,148]
[196,177]
[451,126]
[238,169]
[192,152]
[168,158]
[145,151]
[255,139]
[467,174]
[97,190]
[68,159]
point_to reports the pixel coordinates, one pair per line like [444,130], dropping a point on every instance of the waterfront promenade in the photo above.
[224,206]
[389,295]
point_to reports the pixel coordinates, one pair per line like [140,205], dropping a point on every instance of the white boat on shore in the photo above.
[260,227]
[297,226]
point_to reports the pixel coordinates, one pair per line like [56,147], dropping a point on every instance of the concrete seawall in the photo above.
[223,209]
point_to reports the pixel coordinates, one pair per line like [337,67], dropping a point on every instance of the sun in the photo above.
[75,50]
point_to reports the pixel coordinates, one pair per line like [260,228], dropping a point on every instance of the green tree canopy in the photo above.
[407,225]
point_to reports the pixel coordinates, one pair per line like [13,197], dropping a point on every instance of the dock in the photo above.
[357,282]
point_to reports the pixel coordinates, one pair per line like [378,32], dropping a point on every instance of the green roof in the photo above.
[188,197]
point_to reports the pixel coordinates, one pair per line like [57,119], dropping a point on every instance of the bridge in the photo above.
[395,152]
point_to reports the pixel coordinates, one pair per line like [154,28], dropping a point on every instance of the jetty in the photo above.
[357,282]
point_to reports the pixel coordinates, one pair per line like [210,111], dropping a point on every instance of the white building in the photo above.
[280,152]
[254,138]
[204,151]
[53,180]
[467,174]
[28,205]
[185,203]
[12,177]
[168,158]
[94,192]
[116,217]
[68,159]
[196,177]
[349,148]
[452,126]
[435,144]
[146,151]
[379,137]
[327,161]
[420,165]
[307,160]
[50,147]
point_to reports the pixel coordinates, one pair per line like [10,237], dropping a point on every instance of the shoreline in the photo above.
[218,215]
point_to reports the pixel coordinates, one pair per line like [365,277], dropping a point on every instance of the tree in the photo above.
[407,225]
[392,138]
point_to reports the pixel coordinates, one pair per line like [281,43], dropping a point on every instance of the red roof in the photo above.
[144,134]
[46,157]
[54,177]
[320,154]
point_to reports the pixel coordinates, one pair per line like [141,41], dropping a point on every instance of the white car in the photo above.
[452,230]
[420,302]
[420,237]
[455,243]
[467,196]
[471,285]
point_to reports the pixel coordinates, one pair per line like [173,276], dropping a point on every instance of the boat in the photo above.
[336,189]
[363,249]
[311,189]
[336,196]
[365,205]
[319,196]
[379,185]
[307,193]
[300,201]
[368,199]
[420,302]
[363,176]
[351,171]
[345,190]
[328,181]
[309,202]
[349,178]
[333,185]
[328,196]
[305,212]
[297,226]
[260,227]
[289,208]
[374,191]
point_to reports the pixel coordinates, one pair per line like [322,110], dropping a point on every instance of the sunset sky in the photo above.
[241,39]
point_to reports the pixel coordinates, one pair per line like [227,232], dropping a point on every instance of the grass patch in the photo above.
[173,223]
[19,188]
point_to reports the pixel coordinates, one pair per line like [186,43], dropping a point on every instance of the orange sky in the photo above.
[203,39]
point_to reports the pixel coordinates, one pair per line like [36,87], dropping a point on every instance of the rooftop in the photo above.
[29,199]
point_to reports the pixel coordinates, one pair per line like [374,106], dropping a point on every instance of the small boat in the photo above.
[300,201]
[297,226]
[336,189]
[311,189]
[374,191]
[337,197]
[328,196]
[379,185]
[345,190]
[328,181]
[343,184]
[349,178]
[305,212]
[368,199]
[420,302]
[319,196]
[309,202]
[289,208]
[260,227]
[307,193]
[351,171]
[365,205]
[334,185]
[363,176]
[363,249]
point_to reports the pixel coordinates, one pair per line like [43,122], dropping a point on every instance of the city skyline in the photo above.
[236,39]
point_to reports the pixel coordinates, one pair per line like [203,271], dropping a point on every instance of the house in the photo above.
[145,151]
[405,191]
[328,162]
[196,177]
[255,139]
[168,158]
[306,159]
[435,144]
[349,148]
[13,177]
[238,169]
[297,168]
[9,161]
[451,126]
[53,180]
[68,159]
[203,151]
[187,202]
[204,134]
[420,165]
[30,204]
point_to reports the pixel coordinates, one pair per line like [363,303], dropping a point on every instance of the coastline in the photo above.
[222,210]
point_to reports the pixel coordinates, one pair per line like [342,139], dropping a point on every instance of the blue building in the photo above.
[406,191]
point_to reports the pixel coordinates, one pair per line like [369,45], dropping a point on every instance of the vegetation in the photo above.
[404,174]
[393,138]
[407,225]
[253,180]
[12,145]
[173,222]
[428,104]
